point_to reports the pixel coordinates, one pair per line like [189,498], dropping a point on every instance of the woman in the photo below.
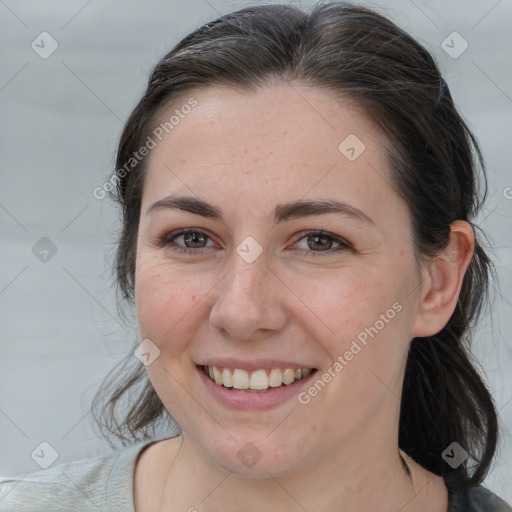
[297,193]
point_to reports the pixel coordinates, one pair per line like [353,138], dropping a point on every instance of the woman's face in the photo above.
[298,255]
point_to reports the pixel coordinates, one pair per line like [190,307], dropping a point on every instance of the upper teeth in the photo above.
[258,379]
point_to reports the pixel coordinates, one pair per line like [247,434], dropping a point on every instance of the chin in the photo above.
[257,456]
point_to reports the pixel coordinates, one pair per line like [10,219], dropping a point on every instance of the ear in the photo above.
[442,281]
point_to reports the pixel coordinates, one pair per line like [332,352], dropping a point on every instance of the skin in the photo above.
[245,153]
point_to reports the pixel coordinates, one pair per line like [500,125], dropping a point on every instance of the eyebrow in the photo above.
[283,212]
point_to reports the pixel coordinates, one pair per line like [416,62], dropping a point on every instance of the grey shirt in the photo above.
[96,484]
[105,484]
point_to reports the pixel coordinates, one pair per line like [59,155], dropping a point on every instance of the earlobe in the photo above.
[442,283]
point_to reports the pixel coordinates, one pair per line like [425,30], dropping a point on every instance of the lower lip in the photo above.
[250,401]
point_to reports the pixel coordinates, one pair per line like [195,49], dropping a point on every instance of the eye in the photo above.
[189,241]
[195,241]
[316,243]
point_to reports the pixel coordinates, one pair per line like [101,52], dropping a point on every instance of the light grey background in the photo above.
[60,121]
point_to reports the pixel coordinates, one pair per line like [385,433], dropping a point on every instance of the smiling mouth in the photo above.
[258,381]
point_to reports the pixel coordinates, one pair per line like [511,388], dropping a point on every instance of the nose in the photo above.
[249,301]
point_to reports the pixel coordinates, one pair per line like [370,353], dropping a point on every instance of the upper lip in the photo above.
[255,364]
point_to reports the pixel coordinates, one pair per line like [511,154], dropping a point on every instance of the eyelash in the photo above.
[343,244]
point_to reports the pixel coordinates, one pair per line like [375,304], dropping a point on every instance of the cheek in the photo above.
[165,298]
[348,304]
[368,330]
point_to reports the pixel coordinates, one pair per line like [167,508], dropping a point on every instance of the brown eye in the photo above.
[319,242]
[189,241]
[195,239]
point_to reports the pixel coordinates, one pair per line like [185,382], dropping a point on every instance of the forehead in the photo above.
[281,142]
[308,120]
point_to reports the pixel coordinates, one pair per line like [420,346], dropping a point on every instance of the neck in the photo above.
[343,480]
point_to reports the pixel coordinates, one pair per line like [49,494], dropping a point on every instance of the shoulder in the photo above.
[467,498]
[97,483]
[483,500]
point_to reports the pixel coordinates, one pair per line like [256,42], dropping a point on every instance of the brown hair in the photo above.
[434,159]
